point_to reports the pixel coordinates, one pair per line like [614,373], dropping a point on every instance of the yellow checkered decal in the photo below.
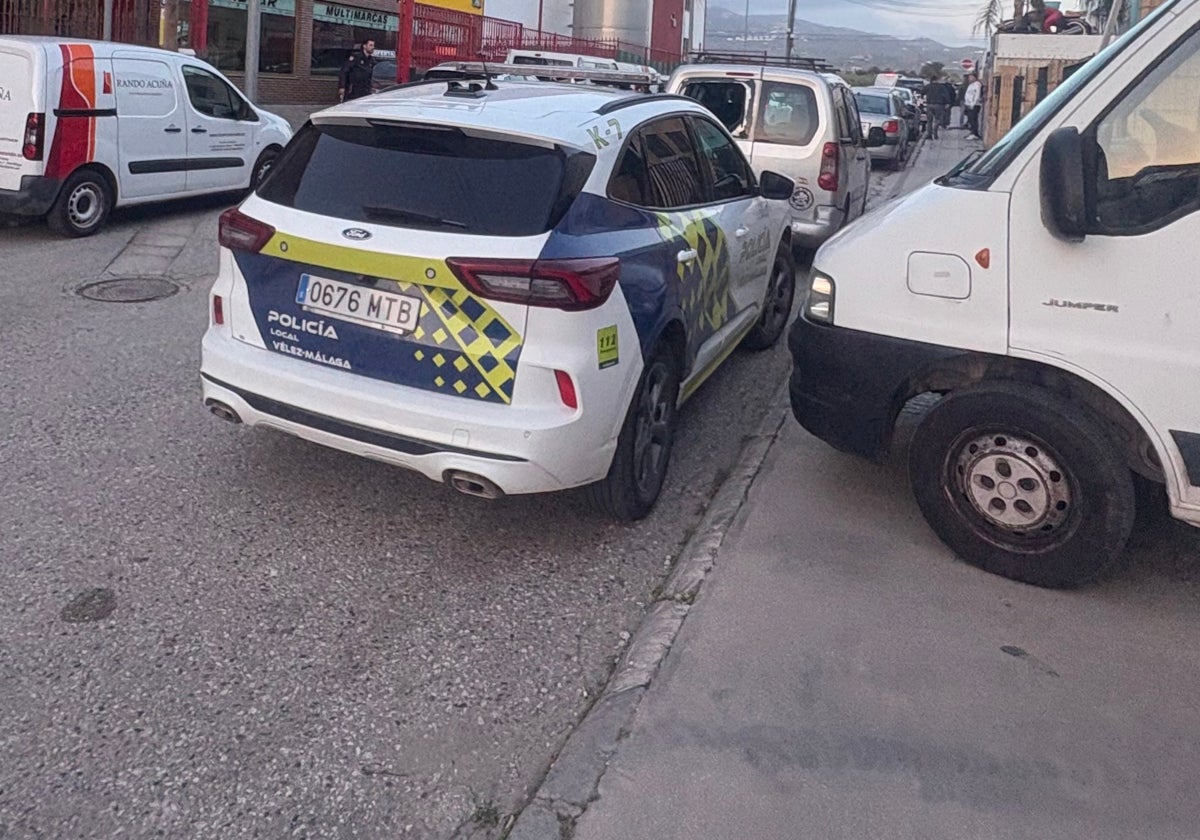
[705,283]
[464,345]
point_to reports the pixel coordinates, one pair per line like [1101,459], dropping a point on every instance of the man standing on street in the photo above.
[355,79]
[938,101]
[972,99]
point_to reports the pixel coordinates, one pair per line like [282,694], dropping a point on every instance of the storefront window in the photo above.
[337,29]
[227,35]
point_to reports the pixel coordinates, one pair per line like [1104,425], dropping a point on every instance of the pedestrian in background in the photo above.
[938,101]
[972,100]
[355,79]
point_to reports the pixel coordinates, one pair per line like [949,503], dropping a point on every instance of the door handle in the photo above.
[689,256]
[199,130]
[173,130]
[741,232]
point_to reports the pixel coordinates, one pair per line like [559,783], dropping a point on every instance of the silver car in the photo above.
[797,123]
[883,108]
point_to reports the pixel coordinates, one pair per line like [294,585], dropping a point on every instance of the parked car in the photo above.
[86,126]
[797,123]
[913,113]
[509,290]
[384,75]
[883,108]
[1043,292]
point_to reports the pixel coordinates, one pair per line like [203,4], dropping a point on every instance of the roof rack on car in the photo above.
[482,69]
[818,65]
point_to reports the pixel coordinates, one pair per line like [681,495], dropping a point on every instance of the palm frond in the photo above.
[989,18]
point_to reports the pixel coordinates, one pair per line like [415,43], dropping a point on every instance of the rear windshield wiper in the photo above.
[382,212]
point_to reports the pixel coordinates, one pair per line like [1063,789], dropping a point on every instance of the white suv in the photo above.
[506,287]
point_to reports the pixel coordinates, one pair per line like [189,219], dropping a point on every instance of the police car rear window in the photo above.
[427,179]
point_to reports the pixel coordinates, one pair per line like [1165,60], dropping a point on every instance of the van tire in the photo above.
[82,206]
[777,305]
[627,493]
[262,166]
[1023,483]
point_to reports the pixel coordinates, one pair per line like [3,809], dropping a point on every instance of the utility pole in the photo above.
[746,38]
[253,25]
[108,20]
[791,36]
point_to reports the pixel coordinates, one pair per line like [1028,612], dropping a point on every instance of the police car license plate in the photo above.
[369,307]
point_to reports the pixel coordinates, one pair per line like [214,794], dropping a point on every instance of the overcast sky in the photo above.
[950,22]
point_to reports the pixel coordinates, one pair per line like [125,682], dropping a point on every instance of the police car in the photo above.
[508,287]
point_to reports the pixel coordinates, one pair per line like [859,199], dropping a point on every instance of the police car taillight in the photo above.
[572,285]
[33,144]
[238,232]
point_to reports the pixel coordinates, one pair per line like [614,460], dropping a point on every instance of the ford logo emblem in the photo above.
[357,234]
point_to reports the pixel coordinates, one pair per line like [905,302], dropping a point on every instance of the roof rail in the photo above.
[632,101]
[818,65]
[623,77]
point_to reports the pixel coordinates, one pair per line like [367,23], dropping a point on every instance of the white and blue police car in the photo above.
[506,287]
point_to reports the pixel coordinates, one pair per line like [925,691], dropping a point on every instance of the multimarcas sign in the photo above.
[350,16]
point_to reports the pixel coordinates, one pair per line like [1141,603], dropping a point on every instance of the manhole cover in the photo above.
[129,290]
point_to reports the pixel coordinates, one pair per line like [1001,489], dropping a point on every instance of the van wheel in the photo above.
[262,167]
[83,205]
[639,466]
[1023,483]
[777,305]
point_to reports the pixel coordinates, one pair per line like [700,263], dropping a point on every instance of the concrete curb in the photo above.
[574,776]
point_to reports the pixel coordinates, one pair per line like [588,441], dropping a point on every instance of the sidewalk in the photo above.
[841,676]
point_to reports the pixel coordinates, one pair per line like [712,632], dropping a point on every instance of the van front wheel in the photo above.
[83,205]
[1023,483]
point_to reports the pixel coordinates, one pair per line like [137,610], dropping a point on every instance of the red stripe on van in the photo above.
[74,142]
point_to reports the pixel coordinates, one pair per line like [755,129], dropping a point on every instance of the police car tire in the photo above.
[618,495]
[1064,440]
[62,217]
[770,325]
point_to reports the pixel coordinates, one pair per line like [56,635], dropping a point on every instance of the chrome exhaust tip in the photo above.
[223,411]
[470,484]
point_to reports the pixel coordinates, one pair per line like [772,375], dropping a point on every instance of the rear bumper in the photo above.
[811,232]
[889,151]
[520,450]
[35,197]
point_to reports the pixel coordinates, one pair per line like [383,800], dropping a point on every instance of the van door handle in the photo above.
[173,130]
[741,232]
[689,256]
[199,130]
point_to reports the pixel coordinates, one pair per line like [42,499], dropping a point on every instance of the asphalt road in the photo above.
[214,632]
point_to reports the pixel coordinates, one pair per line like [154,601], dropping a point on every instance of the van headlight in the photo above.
[819,307]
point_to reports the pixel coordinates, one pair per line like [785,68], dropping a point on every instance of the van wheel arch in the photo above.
[60,216]
[970,369]
[105,172]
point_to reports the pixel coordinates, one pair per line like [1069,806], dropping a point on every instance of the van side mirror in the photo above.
[776,187]
[876,137]
[1064,196]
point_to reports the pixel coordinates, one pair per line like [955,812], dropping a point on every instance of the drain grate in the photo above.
[129,290]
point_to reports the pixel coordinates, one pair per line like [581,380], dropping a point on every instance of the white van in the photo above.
[86,126]
[1046,290]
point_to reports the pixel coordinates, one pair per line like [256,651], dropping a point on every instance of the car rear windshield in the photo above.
[427,178]
[872,104]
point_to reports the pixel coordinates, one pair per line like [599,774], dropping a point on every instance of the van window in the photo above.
[427,179]
[787,115]
[212,97]
[1149,162]
[856,132]
[727,170]
[729,102]
[671,164]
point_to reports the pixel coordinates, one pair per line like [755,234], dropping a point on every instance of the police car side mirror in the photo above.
[876,137]
[776,187]
[1064,195]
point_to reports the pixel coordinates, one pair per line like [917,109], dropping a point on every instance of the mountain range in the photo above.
[847,49]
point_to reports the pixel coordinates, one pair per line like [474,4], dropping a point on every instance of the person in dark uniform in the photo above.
[355,79]
[937,100]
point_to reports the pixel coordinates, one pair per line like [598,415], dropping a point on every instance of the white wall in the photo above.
[556,14]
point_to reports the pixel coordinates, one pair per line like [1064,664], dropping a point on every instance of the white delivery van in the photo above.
[89,125]
[1047,291]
